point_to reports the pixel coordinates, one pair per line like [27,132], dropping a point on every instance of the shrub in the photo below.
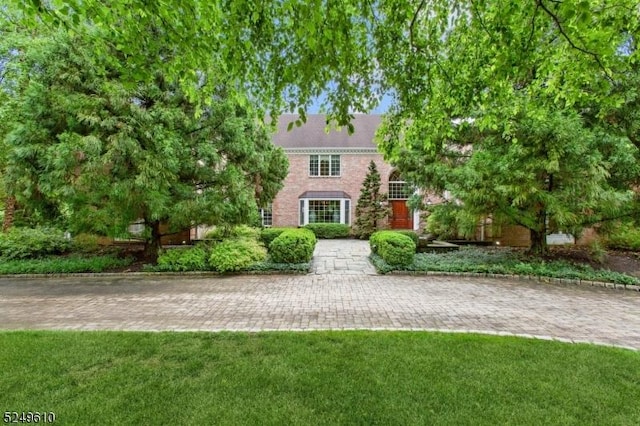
[411,234]
[293,246]
[267,235]
[23,243]
[86,243]
[220,233]
[180,260]
[329,230]
[395,248]
[234,255]
[63,265]
[625,237]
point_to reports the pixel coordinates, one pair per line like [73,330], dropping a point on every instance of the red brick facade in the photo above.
[354,168]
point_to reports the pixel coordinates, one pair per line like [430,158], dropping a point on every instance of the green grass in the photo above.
[59,264]
[503,261]
[316,378]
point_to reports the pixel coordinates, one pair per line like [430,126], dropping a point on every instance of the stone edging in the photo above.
[547,280]
[202,274]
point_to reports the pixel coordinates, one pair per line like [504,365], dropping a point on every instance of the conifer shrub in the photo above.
[293,246]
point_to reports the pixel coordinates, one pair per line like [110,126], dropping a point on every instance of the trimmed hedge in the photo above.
[395,248]
[234,255]
[24,243]
[267,235]
[411,234]
[329,230]
[293,246]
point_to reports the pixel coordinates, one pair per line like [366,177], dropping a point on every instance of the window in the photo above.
[324,165]
[324,211]
[266,215]
[398,189]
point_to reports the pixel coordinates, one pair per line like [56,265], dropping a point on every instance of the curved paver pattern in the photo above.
[323,301]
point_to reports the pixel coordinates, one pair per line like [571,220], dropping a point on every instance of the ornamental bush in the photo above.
[395,248]
[182,260]
[411,234]
[267,235]
[329,230]
[24,243]
[293,246]
[237,254]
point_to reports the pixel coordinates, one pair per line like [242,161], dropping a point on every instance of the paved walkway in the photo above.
[326,299]
[342,257]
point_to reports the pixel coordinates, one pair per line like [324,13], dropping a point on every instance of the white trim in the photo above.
[343,218]
[330,166]
[338,151]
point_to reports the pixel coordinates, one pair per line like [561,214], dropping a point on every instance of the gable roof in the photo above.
[312,134]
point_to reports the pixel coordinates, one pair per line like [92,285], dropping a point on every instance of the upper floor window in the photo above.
[324,165]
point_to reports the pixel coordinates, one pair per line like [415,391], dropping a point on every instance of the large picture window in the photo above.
[324,165]
[324,211]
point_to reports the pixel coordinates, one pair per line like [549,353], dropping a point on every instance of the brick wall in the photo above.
[354,169]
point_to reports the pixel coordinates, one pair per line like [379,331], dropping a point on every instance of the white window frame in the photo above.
[333,158]
[345,210]
[263,213]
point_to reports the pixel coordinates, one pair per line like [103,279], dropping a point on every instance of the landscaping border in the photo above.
[541,279]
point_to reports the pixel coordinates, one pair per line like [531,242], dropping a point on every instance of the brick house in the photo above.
[326,172]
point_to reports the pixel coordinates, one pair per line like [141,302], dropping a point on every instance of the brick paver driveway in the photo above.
[325,301]
[341,292]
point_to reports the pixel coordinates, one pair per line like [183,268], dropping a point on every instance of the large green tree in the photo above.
[104,153]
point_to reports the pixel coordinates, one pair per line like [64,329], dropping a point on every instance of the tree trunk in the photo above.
[539,234]
[538,245]
[9,212]
[153,245]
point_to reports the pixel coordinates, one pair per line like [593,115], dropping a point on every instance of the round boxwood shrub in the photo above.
[293,246]
[329,230]
[411,234]
[395,248]
[267,235]
[235,255]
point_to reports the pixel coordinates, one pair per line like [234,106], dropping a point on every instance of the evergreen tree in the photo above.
[104,154]
[372,205]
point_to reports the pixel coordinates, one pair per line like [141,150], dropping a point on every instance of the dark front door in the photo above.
[401,217]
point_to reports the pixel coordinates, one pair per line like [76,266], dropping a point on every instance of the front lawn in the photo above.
[503,261]
[316,378]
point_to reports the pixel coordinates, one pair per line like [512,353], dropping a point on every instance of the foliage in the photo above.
[86,243]
[182,260]
[503,261]
[23,243]
[236,255]
[447,221]
[293,246]
[63,265]
[280,268]
[395,248]
[105,153]
[372,206]
[329,230]
[240,378]
[411,234]
[220,233]
[624,237]
[267,235]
